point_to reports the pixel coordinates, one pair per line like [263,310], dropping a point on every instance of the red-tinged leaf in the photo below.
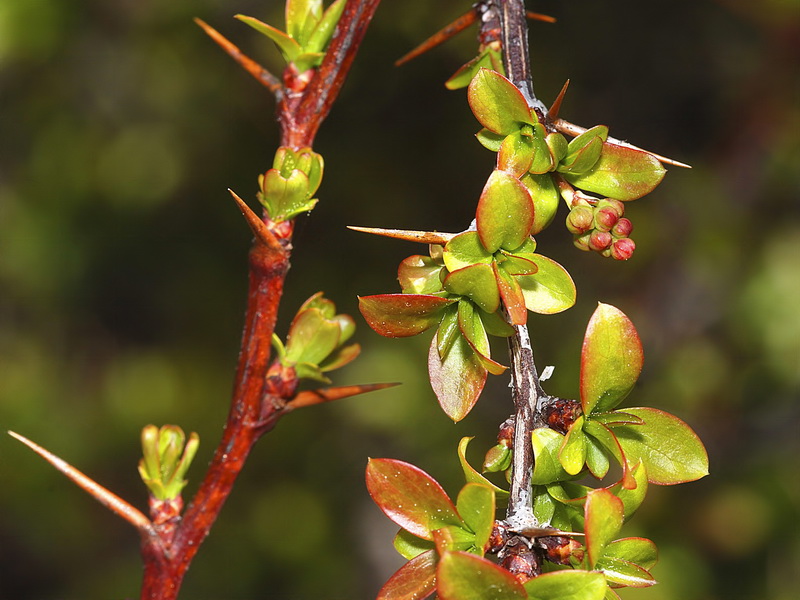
[609,441]
[505,213]
[402,315]
[567,585]
[603,516]
[465,250]
[514,264]
[632,496]
[471,474]
[611,359]
[453,538]
[416,580]
[410,497]
[462,576]
[511,295]
[516,154]
[572,454]
[497,103]
[637,550]
[476,282]
[476,505]
[621,173]
[667,446]
[550,290]
[622,573]
[458,379]
[471,326]
[419,275]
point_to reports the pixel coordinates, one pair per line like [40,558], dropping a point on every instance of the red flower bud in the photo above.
[580,219]
[622,229]
[600,240]
[622,249]
[615,205]
[582,242]
[605,219]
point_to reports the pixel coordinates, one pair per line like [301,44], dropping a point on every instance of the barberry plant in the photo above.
[559,536]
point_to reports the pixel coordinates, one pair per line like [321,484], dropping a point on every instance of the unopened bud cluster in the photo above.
[601,228]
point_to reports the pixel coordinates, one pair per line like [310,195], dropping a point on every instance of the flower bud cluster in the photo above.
[601,227]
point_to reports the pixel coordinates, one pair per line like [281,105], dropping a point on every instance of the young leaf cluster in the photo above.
[288,188]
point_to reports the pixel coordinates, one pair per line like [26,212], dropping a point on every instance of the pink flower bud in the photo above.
[615,205]
[600,240]
[622,229]
[622,249]
[582,241]
[605,219]
[580,220]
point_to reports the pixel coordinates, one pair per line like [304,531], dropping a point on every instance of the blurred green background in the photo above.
[123,276]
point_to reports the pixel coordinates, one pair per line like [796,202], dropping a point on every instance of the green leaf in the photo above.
[497,103]
[547,468]
[476,282]
[609,441]
[413,581]
[462,576]
[471,475]
[471,327]
[624,573]
[410,497]
[621,173]
[542,159]
[637,550]
[633,496]
[288,47]
[596,458]
[454,538]
[402,315]
[298,13]
[544,506]
[464,250]
[587,137]
[505,213]
[572,454]
[567,585]
[611,359]
[516,154]
[495,324]
[419,275]
[322,33]
[311,337]
[448,331]
[489,59]
[616,417]
[558,146]
[476,506]
[667,446]
[490,140]
[545,196]
[603,520]
[285,197]
[408,545]
[307,60]
[458,379]
[582,159]
[551,290]
[340,357]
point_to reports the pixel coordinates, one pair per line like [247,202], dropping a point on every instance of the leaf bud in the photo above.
[600,240]
[623,228]
[580,220]
[622,249]
[497,459]
[559,549]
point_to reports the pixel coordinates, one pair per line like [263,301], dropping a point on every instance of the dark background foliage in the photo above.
[122,279]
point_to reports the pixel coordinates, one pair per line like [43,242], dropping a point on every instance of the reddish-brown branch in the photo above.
[168,553]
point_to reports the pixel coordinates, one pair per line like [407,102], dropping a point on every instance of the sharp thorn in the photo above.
[423,237]
[263,76]
[533,16]
[441,36]
[556,106]
[257,226]
[312,397]
[104,496]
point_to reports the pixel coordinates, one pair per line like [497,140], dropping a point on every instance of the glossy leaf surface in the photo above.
[603,520]
[464,250]
[402,315]
[476,507]
[638,550]
[611,359]
[667,446]
[458,379]
[567,585]
[476,282]
[410,497]
[471,474]
[419,275]
[572,454]
[497,103]
[415,580]
[546,445]
[505,213]
[545,196]
[551,290]
[624,573]
[462,576]
[408,545]
[621,173]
